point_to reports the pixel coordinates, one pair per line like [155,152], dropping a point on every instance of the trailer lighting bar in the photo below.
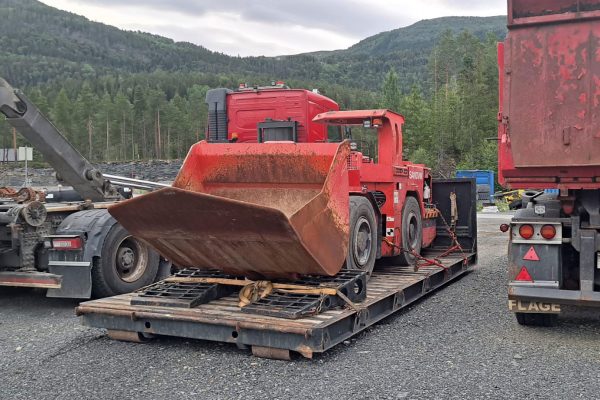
[67,243]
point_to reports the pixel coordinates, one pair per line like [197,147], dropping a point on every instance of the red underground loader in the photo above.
[275,224]
[281,209]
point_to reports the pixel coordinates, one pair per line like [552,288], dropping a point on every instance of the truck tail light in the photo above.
[526,231]
[548,232]
[66,243]
[524,276]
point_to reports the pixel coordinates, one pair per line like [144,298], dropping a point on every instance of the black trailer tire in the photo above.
[126,264]
[533,319]
[412,232]
[515,204]
[362,246]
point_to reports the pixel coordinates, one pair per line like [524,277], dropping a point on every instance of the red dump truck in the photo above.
[277,220]
[549,138]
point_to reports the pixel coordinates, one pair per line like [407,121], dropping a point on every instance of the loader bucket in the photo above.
[261,210]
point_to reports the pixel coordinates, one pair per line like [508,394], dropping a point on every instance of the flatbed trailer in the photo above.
[389,290]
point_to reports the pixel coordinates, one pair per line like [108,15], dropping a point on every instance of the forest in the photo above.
[114,108]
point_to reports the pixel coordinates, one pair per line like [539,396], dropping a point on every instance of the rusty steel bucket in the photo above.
[261,210]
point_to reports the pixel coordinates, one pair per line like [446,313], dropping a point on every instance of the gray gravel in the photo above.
[460,342]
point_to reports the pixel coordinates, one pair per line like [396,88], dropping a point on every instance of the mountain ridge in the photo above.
[43,44]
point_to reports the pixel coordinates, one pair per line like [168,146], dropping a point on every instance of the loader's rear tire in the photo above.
[533,319]
[412,231]
[126,264]
[362,249]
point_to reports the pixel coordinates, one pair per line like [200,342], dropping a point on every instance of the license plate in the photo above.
[533,307]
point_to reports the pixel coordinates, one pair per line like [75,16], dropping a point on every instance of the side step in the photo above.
[34,279]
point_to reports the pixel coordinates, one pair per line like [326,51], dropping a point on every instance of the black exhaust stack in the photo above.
[217,115]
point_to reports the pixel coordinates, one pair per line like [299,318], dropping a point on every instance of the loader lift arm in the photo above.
[71,167]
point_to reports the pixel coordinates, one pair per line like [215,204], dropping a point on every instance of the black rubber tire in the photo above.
[532,319]
[515,204]
[362,246]
[411,239]
[106,280]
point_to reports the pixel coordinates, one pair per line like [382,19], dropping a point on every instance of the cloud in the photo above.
[271,27]
[354,17]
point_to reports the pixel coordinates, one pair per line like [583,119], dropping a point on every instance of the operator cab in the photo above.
[375,134]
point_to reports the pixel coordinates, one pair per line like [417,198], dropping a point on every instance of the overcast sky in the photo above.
[271,27]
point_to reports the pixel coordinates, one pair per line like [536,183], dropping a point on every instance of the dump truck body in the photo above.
[550,96]
[549,138]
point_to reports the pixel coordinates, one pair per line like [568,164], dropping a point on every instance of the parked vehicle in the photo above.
[548,139]
[66,241]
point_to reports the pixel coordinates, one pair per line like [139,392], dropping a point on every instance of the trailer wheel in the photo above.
[126,264]
[515,204]
[362,249]
[412,231]
[533,319]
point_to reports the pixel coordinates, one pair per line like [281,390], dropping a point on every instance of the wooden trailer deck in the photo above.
[389,290]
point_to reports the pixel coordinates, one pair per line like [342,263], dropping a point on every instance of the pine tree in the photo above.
[391,96]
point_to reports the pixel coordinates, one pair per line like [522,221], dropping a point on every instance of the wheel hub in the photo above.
[131,260]
[412,232]
[126,257]
[362,241]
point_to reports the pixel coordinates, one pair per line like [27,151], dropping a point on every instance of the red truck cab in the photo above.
[235,115]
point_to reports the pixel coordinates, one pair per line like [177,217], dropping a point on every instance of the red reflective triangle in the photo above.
[524,275]
[531,255]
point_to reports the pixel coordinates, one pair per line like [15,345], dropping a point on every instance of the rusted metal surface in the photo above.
[126,336]
[30,279]
[222,320]
[23,195]
[550,95]
[272,353]
[526,11]
[560,110]
[275,210]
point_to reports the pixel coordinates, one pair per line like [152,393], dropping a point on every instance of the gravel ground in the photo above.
[460,342]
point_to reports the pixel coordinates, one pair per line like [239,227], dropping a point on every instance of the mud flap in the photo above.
[76,279]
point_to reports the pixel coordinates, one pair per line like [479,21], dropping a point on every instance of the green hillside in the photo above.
[41,44]
[119,95]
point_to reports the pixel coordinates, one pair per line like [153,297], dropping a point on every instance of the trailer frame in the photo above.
[389,290]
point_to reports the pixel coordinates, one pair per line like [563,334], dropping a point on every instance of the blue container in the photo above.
[484,181]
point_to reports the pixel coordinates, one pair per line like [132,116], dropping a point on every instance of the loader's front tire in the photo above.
[126,264]
[362,249]
[412,232]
